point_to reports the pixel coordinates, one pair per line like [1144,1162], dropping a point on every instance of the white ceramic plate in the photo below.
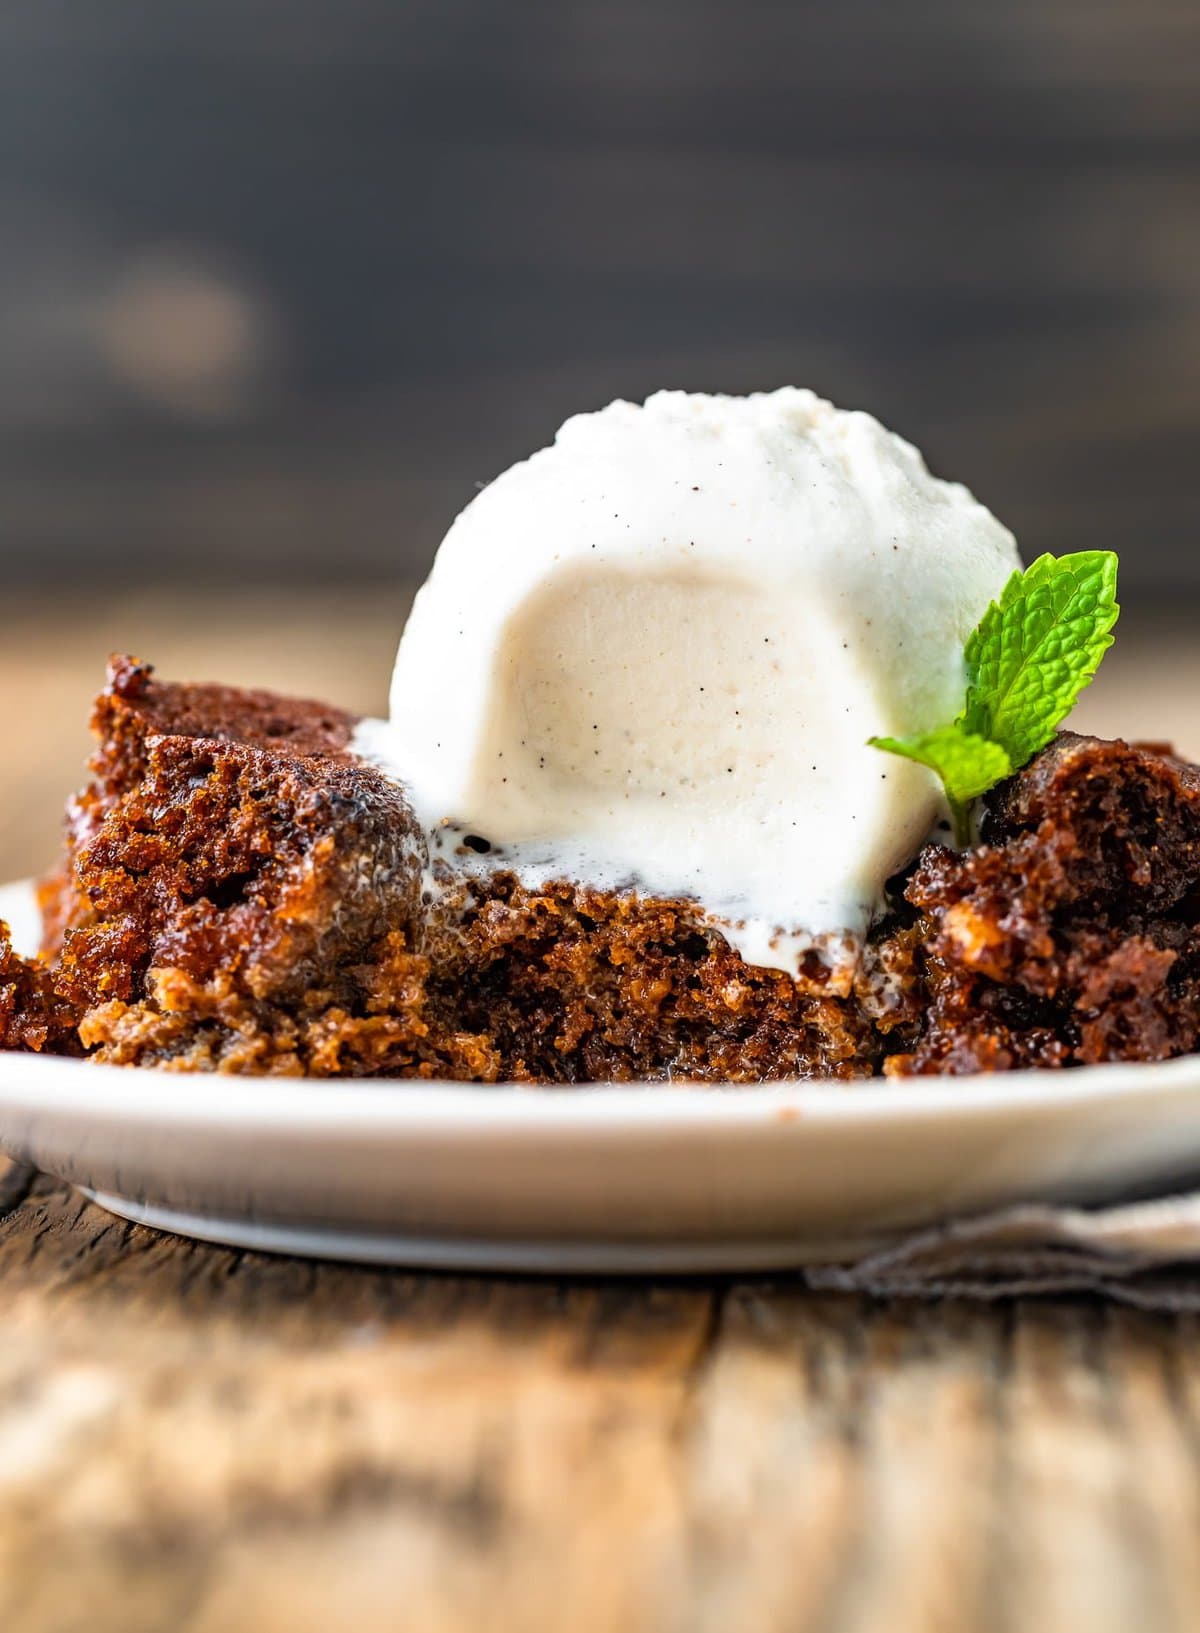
[604,1178]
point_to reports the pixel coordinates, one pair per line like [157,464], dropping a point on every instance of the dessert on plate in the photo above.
[722,746]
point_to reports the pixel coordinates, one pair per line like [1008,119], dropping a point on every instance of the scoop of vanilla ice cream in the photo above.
[652,655]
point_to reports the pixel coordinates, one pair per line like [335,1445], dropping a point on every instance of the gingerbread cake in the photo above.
[242,892]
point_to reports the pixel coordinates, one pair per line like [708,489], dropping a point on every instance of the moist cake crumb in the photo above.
[242,893]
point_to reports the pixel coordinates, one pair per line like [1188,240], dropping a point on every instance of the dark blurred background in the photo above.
[283,279]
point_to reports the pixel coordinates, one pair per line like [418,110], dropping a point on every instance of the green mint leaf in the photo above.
[967,763]
[1032,653]
[1037,647]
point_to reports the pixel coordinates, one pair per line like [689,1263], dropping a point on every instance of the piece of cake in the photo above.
[1072,935]
[242,893]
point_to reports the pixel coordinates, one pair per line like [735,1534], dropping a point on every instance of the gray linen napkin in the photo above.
[1143,1253]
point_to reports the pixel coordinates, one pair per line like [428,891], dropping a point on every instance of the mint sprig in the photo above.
[1032,653]
[967,764]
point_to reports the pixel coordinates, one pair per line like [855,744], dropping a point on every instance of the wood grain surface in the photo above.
[209,1441]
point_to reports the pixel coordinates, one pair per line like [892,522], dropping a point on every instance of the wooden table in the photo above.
[209,1441]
